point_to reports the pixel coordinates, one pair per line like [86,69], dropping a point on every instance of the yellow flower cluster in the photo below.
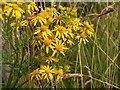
[54,32]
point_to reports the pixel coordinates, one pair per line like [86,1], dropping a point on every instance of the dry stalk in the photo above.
[105,11]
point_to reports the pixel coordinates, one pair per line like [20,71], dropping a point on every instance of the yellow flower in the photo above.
[47,43]
[51,59]
[47,10]
[59,19]
[46,72]
[37,38]
[89,29]
[59,47]
[62,8]
[20,24]
[35,74]
[83,37]
[74,24]
[15,9]
[38,19]
[60,75]
[69,41]
[61,32]
[32,7]
[43,30]
[74,11]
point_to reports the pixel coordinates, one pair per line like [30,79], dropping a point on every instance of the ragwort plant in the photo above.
[38,41]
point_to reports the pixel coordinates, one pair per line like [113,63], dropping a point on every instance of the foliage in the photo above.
[46,46]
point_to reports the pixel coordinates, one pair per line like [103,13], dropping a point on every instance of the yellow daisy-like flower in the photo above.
[59,19]
[51,59]
[35,74]
[38,19]
[43,30]
[20,24]
[62,8]
[82,37]
[61,32]
[69,40]
[74,11]
[74,24]
[60,75]
[47,10]
[32,7]
[46,72]
[59,47]
[37,38]
[47,43]
[15,9]
[89,29]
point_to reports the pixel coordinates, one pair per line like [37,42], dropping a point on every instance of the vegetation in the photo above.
[72,45]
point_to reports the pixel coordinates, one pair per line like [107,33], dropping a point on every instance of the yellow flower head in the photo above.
[15,9]
[83,37]
[43,30]
[32,7]
[61,32]
[35,74]
[51,59]
[62,8]
[60,75]
[47,43]
[59,47]
[46,72]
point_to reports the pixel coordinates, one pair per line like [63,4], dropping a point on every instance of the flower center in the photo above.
[59,17]
[43,28]
[47,70]
[83,35]
[59,48]
[72,23]
[47,42]
[47,10]
[35,72]
[15,6]
[61,29]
